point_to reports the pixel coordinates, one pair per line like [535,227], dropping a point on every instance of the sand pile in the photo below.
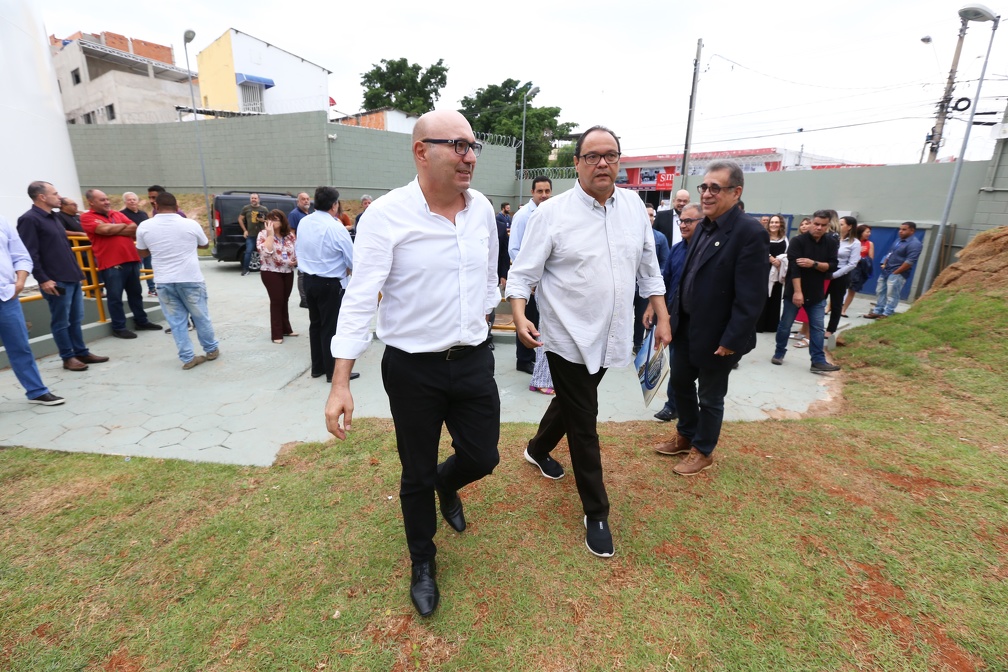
[982,264]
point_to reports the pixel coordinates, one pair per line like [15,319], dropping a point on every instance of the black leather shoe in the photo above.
[527,367]
[666,414]
[423,588]
[451,509]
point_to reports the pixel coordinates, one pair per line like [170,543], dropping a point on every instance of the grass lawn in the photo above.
[873,536]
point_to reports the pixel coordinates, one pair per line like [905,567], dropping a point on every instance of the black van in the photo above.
[230,243]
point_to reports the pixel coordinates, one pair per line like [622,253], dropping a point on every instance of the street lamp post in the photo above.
[188,37]
[967,13]
[521,171]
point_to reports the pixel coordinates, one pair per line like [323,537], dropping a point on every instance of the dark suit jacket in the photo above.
[664,222]
[503,259]
[729,291]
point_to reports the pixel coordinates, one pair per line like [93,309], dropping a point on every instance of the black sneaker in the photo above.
[549,467]
[148,326]
[123,333]
[666,414]
[47,399]
[823,367]
[598,539]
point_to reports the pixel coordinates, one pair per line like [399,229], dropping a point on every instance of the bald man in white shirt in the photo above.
[430,248]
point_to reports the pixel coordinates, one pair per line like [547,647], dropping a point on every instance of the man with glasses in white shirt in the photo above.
[583,250]
[430,248]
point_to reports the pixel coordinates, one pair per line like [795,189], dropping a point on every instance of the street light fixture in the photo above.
[967,13]
[521,171]
[188,37]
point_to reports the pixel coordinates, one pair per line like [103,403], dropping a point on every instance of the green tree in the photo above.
[497,108]
[403,85]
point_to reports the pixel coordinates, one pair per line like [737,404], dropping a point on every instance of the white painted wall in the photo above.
[36,144]
[399,122]
[300,86]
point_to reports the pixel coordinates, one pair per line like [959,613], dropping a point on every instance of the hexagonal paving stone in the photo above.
[124,420]
[79,439]
[164,437]
[124,436]
[167,421]
[201,440]
[39,435]
[244,439]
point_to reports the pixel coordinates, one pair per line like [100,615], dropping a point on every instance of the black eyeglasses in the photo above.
[592,158]
[715,189]
[690,220]
[461,146]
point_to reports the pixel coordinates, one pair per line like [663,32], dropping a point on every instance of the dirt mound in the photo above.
[982,264]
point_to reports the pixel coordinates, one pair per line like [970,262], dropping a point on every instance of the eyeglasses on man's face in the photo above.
[714,189]
[689,221]
[461,146]
[591,158]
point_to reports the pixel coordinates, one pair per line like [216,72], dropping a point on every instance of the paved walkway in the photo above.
[243,407]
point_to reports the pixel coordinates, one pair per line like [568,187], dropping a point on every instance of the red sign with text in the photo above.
[665,181]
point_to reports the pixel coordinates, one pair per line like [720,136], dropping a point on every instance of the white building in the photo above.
[241,73]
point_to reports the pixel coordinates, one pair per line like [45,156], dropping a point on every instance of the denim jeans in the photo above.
[250,244]
[67,312]
[146,263]
[14,337]
[816,314]
[117,279]
[888,288]
[180,301]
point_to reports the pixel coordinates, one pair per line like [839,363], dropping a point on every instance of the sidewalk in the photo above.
[243,407]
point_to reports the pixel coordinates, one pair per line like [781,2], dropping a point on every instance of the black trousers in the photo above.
[699,393]
[574,412]
[324,296]
[426,392]
[837,291]
[523,354]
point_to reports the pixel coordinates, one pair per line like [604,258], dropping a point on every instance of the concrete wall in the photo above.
[290,152]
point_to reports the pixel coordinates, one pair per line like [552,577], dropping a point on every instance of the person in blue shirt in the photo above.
[300,211]
[895,269]
[689,217]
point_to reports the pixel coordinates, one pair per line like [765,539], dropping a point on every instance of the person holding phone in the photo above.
[276,251]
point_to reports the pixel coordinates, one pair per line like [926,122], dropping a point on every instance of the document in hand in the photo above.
[652,367]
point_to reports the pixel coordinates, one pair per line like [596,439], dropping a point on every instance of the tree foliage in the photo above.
[403,85]
[497,108]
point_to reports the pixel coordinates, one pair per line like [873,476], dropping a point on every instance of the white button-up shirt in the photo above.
[585,259]
[324,247]
[438,280]
[518,223]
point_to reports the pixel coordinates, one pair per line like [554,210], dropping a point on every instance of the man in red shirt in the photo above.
[113,241]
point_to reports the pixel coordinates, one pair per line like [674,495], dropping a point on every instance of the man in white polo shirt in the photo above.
[171,241]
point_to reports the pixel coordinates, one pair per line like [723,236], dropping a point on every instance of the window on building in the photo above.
[71,120]
[75,76]
[251,97]
[110,112]
[89,118]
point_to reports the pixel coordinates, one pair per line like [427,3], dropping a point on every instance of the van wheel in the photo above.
[254,261]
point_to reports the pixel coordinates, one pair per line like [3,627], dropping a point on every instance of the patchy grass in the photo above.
[874,536]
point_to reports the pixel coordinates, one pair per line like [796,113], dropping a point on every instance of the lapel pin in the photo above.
[716,243]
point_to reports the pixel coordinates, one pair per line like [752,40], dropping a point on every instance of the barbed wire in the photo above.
[498,140]
[554,173]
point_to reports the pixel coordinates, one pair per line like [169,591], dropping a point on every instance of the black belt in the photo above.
[452,353]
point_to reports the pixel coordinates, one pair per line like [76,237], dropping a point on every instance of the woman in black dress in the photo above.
[778,250]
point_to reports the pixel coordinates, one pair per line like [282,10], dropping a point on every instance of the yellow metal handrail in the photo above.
[92,285]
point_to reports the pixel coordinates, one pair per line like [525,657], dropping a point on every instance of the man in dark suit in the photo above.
[667,221]
[714,313]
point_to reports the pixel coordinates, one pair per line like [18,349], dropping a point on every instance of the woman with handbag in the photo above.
[276,250]
[847,260]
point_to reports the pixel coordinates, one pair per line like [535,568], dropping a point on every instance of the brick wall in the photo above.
[156,52]
[116,41]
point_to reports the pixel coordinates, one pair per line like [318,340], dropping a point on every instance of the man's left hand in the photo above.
[663,333]
[723,351]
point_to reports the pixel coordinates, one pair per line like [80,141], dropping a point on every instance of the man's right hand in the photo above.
[244,234]
[526,332]
[339,404]
[49,287]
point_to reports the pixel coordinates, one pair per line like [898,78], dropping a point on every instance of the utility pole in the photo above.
[946,101]
[692,107]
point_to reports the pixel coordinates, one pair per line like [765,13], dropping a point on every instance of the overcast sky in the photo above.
[858,66]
